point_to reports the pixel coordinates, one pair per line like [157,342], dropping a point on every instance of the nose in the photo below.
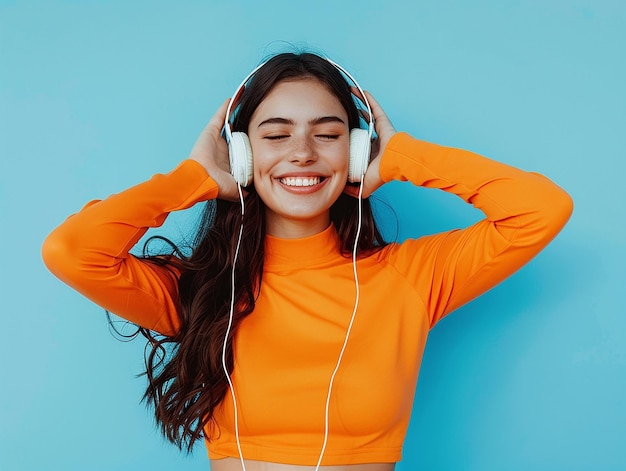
[303,152]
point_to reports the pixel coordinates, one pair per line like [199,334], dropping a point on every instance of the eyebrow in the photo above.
[314,121]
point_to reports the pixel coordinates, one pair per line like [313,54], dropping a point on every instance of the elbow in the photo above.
[53,252]
[557,208]
[549,207]
[58,256]
[567,206]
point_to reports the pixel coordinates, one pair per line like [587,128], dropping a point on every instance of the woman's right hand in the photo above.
[211,151]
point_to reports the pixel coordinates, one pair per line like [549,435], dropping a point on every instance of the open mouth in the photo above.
[301,181]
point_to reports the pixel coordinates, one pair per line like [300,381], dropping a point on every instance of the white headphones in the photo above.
[240,152]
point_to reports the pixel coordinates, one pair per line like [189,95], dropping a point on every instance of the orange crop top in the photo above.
[286,350]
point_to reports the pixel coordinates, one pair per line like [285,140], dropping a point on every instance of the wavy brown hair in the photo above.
[185,374]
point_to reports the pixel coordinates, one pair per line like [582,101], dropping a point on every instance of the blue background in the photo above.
[98,95]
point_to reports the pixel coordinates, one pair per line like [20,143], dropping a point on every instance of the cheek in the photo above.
[340,158]
[262,159]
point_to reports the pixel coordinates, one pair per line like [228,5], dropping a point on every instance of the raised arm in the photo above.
[523,212]
[90,250]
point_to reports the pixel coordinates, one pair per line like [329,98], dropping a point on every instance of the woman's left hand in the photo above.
[385,130]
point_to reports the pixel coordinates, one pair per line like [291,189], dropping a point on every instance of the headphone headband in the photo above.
[239,90]
[235,97]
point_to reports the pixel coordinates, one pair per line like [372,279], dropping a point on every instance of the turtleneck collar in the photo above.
[303,252]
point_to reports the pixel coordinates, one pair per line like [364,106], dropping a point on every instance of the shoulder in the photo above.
[412,257]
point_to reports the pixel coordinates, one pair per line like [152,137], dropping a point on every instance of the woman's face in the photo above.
[300,145]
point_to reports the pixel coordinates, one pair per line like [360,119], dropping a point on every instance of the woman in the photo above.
[323,353]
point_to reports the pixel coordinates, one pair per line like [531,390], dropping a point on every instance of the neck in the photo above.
[284,228]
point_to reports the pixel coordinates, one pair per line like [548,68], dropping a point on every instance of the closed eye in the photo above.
[275,138]
[328,137]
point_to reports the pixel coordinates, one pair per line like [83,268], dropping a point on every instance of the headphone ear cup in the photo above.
[360,147]
[240,155]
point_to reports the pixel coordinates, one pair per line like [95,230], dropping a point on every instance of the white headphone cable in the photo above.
[228,329]
[356,305]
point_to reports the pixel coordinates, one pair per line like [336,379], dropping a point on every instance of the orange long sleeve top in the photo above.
[286,349]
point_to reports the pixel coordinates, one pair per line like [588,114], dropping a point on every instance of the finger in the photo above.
[383,124]
[376,108]
[216,123]
[233,194]
[379,114]
[217,120]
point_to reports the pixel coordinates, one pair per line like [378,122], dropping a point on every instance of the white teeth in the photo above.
[299,181]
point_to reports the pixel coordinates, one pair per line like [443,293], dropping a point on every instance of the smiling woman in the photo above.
[285,351]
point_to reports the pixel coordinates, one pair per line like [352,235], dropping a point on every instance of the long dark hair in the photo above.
[185,374]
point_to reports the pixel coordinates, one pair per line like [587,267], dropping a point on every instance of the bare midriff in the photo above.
[234,464]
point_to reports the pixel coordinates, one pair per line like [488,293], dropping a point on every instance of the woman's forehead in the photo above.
[299,99]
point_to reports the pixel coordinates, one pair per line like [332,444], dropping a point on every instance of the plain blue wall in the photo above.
[98,95]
